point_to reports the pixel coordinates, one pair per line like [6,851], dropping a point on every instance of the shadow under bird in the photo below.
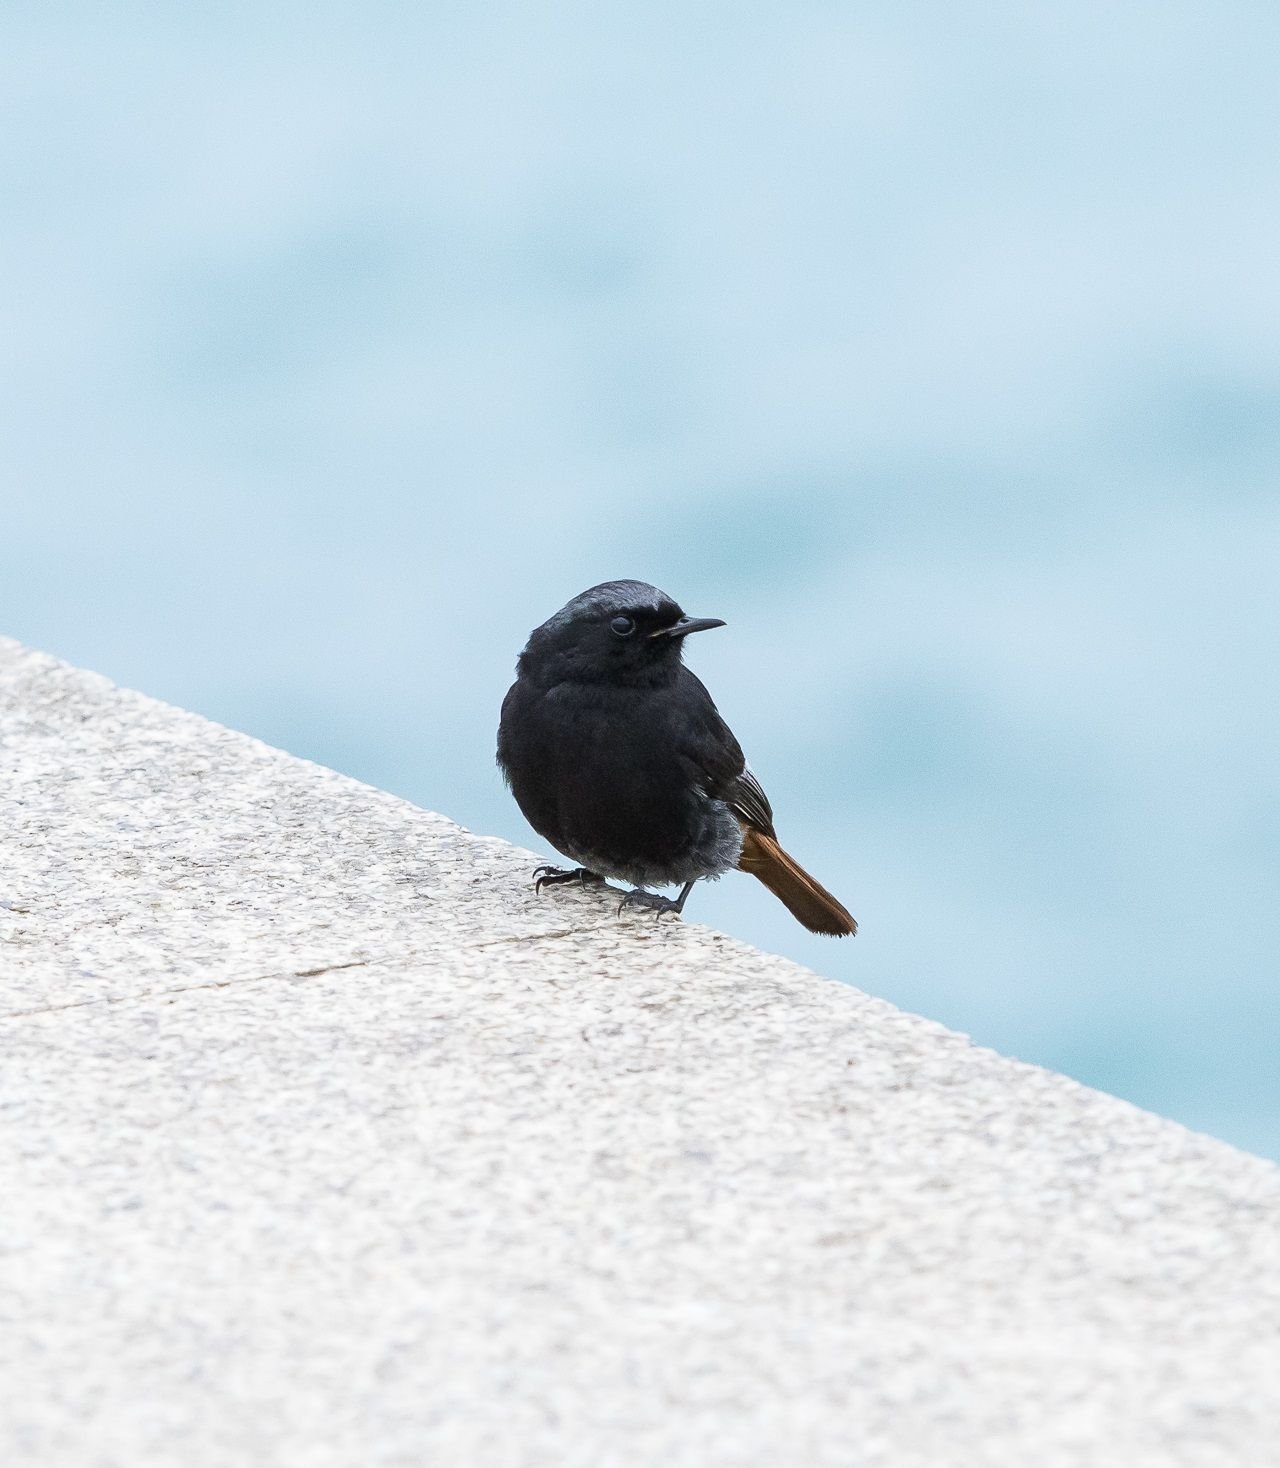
[617,756]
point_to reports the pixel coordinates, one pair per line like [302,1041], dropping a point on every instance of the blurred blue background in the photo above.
[936,348]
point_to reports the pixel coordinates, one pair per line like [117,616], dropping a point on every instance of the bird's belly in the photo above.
[705,848]
[644,830]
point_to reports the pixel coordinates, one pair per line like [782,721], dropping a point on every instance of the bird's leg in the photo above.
[549,876]
[655,902]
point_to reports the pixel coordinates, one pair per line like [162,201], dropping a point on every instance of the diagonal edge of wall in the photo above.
[328,1142]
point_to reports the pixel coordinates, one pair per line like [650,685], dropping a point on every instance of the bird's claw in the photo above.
[653,902]
[549,876]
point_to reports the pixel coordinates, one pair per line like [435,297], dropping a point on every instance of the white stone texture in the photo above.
[326,1142]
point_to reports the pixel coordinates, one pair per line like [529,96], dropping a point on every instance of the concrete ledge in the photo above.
[326,1143]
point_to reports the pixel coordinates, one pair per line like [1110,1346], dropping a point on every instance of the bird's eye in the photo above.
[623,626]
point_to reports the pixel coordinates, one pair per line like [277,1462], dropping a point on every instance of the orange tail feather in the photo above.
[808,901]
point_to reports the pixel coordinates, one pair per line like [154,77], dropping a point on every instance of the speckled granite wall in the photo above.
[325,1142]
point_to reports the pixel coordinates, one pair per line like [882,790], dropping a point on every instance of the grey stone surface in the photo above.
[325,1142]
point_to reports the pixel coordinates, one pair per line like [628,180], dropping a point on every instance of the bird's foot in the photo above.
[653,902]
[549,876]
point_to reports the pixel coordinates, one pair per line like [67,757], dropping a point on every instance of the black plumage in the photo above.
[618,757]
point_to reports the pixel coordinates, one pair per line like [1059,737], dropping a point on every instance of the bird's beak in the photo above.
[685,625]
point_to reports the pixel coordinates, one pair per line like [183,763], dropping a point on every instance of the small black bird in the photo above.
[617,756]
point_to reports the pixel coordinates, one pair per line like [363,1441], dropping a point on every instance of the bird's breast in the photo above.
[602,774]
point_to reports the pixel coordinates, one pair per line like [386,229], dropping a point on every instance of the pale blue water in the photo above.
[936,350]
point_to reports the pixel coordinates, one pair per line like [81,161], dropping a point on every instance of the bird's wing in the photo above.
[717,758]
[749,801]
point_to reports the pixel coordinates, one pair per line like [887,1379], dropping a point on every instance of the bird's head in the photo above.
[624,632]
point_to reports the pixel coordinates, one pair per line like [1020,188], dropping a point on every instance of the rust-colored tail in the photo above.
[808,901]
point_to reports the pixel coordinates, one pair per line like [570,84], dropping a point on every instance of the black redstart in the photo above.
[617,756]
